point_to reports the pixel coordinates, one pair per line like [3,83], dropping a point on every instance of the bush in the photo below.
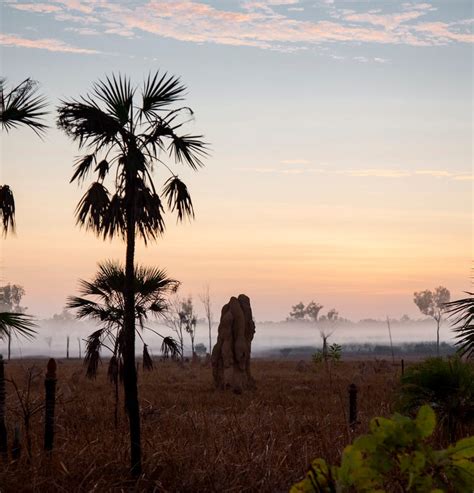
[446,385]
[395,456]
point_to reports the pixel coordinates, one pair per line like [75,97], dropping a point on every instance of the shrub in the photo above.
[395,456]
[446,385]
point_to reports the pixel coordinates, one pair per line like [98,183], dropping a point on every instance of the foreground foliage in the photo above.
[445,384]
[396,456]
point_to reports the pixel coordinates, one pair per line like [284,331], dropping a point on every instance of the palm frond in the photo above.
[188,149]
[18,324]
[7,209]
[113,369]
[117,95]
[149,214]
[92,357]
[85,122]
[160,92]
[83,166]
[178,198]
[89,309]
[102,169]
[22,106]
[93,207]
[147,361]
[170,348]
[114,220]
[461,312]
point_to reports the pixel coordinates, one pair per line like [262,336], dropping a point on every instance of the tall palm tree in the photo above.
[126,132]
[19,106]
[462,314]
[103,300]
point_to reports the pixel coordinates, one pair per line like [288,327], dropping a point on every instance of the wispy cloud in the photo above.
[42,44]
[295,161]
[266,24]
[388,173]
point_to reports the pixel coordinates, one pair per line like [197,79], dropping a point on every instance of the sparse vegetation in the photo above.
[196,438]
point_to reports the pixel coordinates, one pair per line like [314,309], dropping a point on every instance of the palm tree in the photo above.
[462,314]
[103,300]
[19,106]
[125,137]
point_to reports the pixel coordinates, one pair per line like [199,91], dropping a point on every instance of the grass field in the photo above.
[194,437]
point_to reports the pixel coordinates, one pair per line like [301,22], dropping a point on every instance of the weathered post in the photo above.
[3,428]
[403,367]
[352,406]
[50,387]
[16,445]
[67,347]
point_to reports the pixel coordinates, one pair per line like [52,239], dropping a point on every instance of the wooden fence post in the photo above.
[50,387]
[352,406]
[403,367]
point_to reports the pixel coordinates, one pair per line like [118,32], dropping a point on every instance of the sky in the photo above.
[341,147]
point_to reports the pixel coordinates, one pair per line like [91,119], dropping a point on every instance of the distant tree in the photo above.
[286,351]
[298,311]
[332,315]
[10,298]
[200,349]
[205,298]
[19,106]
[432,304]
[461,313]
[312,310]
[188,319]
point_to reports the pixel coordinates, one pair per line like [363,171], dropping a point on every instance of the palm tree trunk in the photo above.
[130,372]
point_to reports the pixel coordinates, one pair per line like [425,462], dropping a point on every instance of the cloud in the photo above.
[463,178]
[84,31]
[40,8]
[42,44]
[387,173]
[295,161]
[376,172]
[433,172]
[258,23]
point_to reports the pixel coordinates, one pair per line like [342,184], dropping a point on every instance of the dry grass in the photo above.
[195,438]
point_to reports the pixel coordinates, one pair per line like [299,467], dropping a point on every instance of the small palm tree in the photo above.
[19,324]
[461,313]
[103,300]
[446,385]
[128,133]
[19,106]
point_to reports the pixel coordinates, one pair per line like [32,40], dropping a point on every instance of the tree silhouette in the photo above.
[432,304]
[130,134]
[19,106]
[103,300]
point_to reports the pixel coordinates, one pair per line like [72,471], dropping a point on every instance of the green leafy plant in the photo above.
[395,456]
[335,352]
[332,354]
[445,384]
